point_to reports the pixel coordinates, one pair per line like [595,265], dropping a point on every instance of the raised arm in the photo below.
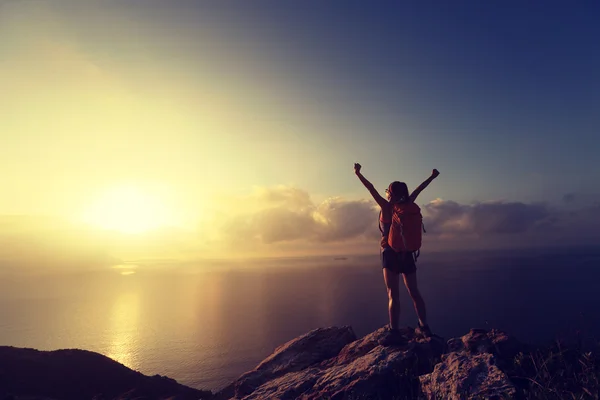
[417,191]
[380,200]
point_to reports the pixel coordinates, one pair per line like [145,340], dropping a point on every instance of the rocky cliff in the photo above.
[331,363]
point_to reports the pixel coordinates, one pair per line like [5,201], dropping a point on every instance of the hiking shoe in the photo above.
[423,331]
[393,337]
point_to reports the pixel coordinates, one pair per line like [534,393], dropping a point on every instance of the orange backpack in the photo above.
[407,223]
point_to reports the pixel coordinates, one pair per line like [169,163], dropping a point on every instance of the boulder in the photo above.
[462,376]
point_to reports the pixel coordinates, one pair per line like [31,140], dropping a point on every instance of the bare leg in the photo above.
[410,281]
[392,282]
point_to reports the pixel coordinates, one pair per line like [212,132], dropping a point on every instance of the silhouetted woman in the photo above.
[395,263]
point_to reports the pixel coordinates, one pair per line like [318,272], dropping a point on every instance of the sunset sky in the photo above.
[221,129]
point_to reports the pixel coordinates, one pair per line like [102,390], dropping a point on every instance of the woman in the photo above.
[394,263]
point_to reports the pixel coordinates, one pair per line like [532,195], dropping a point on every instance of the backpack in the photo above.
[405,232]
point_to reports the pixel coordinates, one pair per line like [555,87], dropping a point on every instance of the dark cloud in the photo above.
[569,198]
[511,224]
[483,218]
[507,218]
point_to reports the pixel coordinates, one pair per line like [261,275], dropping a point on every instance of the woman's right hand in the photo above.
[435,173]
[357,168]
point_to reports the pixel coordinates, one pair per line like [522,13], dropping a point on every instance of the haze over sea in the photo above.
[204,324]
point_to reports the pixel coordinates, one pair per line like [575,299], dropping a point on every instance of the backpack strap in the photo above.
[418,252]
[416,255]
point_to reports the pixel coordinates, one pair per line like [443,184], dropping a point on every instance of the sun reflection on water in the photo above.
[124,328]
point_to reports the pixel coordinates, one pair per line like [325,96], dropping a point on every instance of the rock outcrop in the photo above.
[380,365]
[332,364]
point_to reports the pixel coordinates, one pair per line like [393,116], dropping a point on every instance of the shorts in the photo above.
[400,263]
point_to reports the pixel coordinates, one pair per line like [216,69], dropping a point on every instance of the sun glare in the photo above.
[128,210]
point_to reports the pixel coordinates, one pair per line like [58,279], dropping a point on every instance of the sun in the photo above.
[128,210]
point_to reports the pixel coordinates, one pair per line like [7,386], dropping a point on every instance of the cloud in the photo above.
[483,219]
[288,216]
[509,225]
[340,219]
[280,224]
[284,196]
[569,198]
[283,214]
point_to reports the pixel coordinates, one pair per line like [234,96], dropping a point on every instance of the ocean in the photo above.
[206,323]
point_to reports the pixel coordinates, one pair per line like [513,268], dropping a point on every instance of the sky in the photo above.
[220,129]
